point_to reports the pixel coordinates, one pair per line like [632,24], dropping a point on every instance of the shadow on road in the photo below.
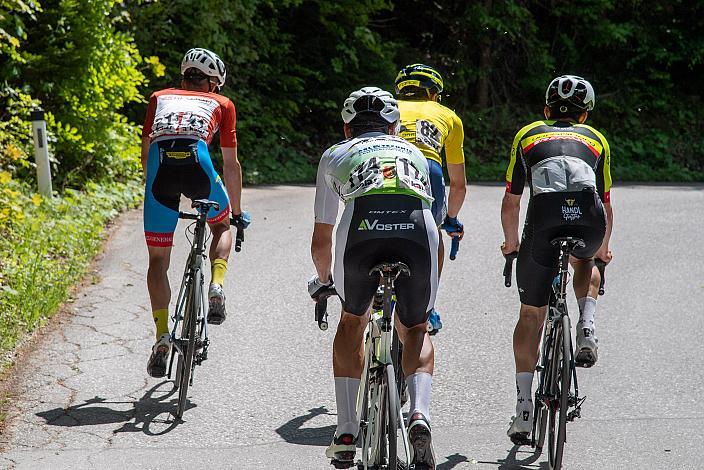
[452,461]
[151,414]
[293,432]
[529,457]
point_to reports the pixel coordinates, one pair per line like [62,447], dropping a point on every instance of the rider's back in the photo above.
[374,163]
[176,112]
[579,149]
[432,126]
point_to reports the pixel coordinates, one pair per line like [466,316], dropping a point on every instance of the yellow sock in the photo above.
[218,270]
[161,320]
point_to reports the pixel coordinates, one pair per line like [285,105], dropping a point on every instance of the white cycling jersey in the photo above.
[373,163]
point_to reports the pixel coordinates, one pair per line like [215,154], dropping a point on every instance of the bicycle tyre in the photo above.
[372,416]
[190,320]
[558,415]
[392,414]
[397,357]
[540,424]
[540,408]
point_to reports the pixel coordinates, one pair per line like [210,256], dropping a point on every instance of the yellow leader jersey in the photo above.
[432,126]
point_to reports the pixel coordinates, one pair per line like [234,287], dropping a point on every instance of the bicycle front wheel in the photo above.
[558,415]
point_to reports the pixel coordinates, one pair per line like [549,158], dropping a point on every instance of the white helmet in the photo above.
[207,62]
[570,91]
[371,101]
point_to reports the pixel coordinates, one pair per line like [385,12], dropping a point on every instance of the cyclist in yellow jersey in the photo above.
[433,127]
[566,165]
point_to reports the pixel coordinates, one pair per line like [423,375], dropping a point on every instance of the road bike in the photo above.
[382,426]
[557,400]
[189,334]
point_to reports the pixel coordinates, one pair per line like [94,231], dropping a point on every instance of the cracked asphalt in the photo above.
[265,397]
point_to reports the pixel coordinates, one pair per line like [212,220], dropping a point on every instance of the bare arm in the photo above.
[458,188]
[604,253]
[321,250]
[232,175]
[145,152]
[510,210]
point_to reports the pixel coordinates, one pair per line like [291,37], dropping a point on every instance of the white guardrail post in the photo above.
[41,152]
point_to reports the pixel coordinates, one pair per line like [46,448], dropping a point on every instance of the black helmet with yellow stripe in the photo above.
[415,76]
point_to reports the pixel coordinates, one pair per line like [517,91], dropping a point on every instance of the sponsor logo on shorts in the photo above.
[375,225]
[178,155]
[570,211]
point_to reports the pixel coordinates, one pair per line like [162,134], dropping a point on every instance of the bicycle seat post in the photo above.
[389,272]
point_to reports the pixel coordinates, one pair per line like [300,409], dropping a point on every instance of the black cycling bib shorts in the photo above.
[550,215]
[387,228]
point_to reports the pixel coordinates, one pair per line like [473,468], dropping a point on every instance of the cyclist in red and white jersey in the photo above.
[179,126]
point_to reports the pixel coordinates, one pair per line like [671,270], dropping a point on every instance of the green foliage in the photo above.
[286,83]
[74,59]
[45,246]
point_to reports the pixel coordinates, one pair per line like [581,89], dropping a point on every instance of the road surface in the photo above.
[265,397]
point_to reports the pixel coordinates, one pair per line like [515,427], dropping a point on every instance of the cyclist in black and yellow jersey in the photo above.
[567,167]
[433,127]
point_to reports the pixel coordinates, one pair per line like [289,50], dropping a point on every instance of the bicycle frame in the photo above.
[377,355]
[548,397]
[193,273]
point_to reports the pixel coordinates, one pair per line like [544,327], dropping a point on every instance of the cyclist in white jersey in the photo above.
[384,182]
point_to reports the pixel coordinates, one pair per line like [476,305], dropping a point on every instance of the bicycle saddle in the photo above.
[205,204]
[572,243]
[391,269]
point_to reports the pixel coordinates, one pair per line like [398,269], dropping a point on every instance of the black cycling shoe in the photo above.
[342,451]
[422,455]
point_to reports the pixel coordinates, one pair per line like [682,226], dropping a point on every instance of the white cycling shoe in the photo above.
[216,305]
[586,347]
[342,451]
[521,427]
[156,366]
[420,438]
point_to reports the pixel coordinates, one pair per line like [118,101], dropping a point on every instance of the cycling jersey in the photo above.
[559,156]
[183,113]
[432,126]
[374,163]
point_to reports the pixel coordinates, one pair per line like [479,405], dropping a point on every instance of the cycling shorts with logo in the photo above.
[175,167]
[578,214]
[387,228]
[437,183]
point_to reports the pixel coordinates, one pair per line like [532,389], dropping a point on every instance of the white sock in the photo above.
[420,385]
[524,384]
[346,389]
[587,309]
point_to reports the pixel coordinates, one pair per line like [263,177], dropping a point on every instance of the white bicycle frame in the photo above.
[377,354]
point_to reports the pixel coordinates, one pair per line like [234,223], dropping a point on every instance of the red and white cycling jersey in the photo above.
[182,113]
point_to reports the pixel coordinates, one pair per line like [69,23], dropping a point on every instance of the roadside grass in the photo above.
[46,249]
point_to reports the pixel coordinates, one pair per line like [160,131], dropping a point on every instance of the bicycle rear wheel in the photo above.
[540,423]
[563,378]
[185,362]
[392,414]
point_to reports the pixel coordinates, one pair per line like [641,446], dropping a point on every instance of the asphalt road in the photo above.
[265,397]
